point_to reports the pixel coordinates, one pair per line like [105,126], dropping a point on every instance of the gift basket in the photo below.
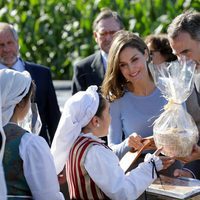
[174,129]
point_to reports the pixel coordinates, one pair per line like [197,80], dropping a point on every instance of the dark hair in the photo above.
[188,22]
[105,14]
[31,93]
[161,43]
[102,105]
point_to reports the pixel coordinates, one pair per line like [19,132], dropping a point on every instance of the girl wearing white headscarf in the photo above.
[92,169]
[28,164]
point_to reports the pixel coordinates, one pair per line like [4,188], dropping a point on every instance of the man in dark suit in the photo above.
[45,93]
[91,70]
[184,38]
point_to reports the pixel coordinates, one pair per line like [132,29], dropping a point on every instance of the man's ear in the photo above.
[95,36]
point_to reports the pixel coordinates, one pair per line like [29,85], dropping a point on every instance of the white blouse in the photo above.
[2,184]
[103,167]
[39,169]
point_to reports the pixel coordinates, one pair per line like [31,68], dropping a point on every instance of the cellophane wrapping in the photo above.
[174,129]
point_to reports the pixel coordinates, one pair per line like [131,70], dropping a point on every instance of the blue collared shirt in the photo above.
[18,66]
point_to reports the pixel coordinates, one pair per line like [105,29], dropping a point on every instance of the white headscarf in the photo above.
[14,86]
[77,113]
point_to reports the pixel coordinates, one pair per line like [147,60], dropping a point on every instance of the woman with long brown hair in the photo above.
[129,86]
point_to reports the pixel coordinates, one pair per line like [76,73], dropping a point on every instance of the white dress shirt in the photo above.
[103,167]
[39,169]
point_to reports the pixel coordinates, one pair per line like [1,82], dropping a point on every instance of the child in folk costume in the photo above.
[92,169]
[28,164]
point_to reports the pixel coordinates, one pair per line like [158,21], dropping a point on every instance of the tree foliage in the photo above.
[56,33]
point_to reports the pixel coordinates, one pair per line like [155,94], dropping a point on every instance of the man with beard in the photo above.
[45,93]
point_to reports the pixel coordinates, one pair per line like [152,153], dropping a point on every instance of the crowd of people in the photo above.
[113,105]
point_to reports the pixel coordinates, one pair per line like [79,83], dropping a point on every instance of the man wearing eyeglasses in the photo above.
[91,70]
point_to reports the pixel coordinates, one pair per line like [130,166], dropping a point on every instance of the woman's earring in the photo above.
[98,125]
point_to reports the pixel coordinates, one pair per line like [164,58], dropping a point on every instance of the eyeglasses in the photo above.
[106,33]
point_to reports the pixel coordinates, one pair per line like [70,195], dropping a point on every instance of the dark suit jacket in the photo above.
[89,71]
[46,99]
[193,107]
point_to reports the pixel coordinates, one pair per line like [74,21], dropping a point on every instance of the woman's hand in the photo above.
[135,141]
[151,144]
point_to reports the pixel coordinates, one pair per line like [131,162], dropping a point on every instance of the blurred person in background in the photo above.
[45,94]
[91,70]
[159,49]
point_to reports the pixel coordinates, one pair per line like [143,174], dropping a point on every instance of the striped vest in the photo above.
[13,164]
[80,185]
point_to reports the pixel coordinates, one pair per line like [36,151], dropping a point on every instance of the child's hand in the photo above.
[166,161]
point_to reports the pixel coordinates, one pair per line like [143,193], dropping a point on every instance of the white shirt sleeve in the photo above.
[103,167]
[3,191]
[39,169]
